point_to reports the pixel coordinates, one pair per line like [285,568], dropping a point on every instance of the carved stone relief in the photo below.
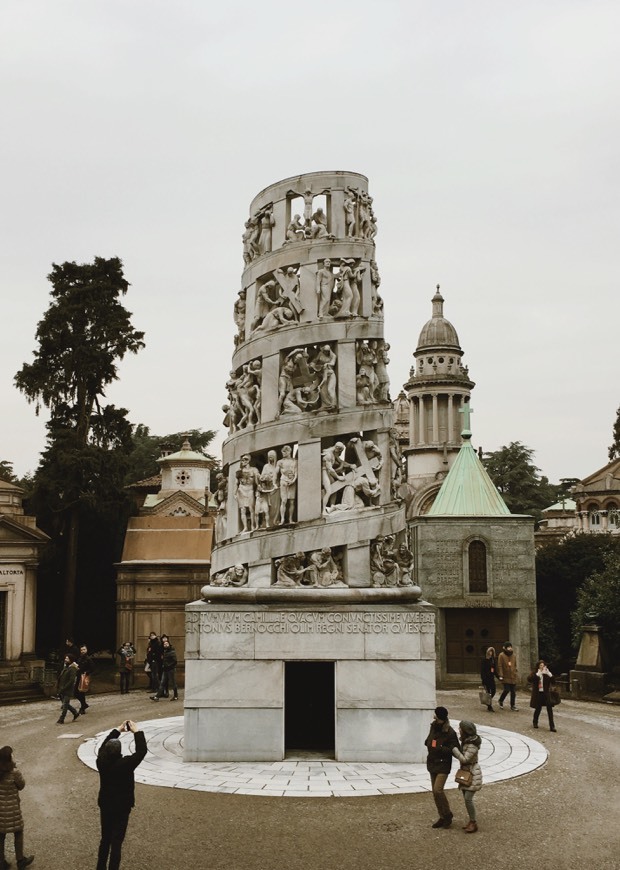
[375,282]
[360,218]
[390,564]
[244,397]
[308,380]
[266,493]
[237,575]
[221,497]
[372,379]
[348,478]
[277,301]
[319,568]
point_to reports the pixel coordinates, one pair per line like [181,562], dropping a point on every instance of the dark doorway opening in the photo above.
[309,710]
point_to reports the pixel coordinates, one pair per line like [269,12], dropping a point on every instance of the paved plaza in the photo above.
[503,755]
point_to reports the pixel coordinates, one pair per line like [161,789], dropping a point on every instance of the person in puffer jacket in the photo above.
[468,758]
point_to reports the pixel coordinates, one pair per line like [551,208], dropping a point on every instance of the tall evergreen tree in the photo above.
[614,448]
[82,336]
[513,472]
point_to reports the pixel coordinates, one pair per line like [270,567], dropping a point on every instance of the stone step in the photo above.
[21,694]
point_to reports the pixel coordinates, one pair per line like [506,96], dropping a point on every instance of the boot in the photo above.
[490,708]
[60,721]
[470,828]
[447,821]
[437,824]
[24,862]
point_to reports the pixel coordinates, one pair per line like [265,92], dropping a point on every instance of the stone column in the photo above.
[347,393]
[421,421]
[435,420]
[451,433]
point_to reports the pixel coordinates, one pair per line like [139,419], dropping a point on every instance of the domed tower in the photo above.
[311,549]
[438,386]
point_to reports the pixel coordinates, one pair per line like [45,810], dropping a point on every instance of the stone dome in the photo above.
[438,332]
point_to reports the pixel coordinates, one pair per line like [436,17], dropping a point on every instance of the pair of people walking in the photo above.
[504,668]
[169,670]
[443,745]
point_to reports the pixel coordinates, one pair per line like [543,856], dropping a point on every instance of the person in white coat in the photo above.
[468,758]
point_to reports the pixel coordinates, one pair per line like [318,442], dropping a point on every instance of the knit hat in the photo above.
[441,713]
[468,728]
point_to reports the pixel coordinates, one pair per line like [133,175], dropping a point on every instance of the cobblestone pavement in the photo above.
[503,754]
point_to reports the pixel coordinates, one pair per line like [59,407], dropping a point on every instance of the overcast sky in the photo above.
[489,133]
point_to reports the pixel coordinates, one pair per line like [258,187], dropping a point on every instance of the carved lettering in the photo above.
[309,622]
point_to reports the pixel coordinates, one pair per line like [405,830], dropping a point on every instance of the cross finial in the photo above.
[466,410]
[438,286]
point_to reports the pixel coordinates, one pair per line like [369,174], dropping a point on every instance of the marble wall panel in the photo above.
[233,734]
[234,684]
[382,735]
[385,685]
[358,565]
[323,642]
[226,644]
[269,388]
[309,479]
[346,374]
[259,574]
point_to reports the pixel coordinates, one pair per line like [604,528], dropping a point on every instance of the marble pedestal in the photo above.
[236,654]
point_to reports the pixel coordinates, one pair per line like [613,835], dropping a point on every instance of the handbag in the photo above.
[464,777]
[554,697]
[485,697]
[84,684]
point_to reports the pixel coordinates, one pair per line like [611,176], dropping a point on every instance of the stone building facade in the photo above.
[166,555]
[21,543]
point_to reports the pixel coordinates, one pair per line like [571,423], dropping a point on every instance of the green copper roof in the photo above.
[468,490]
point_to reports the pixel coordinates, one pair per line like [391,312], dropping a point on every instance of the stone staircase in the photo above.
[17,685]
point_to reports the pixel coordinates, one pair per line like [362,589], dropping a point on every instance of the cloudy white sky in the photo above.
[489,132]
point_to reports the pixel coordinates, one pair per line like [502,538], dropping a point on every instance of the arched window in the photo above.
[613,516]
[477,556]
[594,518]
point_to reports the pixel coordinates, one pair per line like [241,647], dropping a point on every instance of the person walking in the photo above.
[440,742]
[116,792]
[11,821]
[488,669]
[85,668]
[169,672]
[127,654]
[153,658]
[66,689]
[507,673]
[542,680]
[467,755]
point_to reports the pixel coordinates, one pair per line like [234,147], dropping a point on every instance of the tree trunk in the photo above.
[68,609]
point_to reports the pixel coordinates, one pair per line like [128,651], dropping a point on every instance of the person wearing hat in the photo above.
[116,791]
[507,673]
[467,755]
[440,742]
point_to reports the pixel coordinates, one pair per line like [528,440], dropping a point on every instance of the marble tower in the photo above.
[311,633]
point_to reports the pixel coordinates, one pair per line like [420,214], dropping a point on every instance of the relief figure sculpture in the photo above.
[287,471]
[324,285]
[247,478]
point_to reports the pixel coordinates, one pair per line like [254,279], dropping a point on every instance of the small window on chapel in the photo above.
[477,555]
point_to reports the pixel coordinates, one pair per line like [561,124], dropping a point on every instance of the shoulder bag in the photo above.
[464,777]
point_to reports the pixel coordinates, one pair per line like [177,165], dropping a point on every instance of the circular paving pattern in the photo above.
[503,755]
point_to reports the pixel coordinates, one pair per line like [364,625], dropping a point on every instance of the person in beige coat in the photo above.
[468,758]
[11,821]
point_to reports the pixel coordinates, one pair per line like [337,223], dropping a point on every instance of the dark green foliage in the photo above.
[77,492]
[561,570]
[614,449]
[6,471]
[517,478]
[598,600]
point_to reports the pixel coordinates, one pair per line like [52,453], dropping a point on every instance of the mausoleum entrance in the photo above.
[3,598]
[309,707]
[469,633]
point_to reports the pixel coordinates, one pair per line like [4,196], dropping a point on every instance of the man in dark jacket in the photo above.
[153,657]
[116,792]
[440,742]
[85,668]
[169,671]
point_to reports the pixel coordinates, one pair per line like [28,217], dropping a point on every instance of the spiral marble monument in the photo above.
[311,633]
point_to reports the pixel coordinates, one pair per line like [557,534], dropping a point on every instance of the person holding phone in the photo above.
[116,791]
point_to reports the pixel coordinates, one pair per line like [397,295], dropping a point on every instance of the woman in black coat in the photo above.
[542,680]
[488,669]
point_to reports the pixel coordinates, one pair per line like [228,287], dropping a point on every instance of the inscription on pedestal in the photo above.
[309,622]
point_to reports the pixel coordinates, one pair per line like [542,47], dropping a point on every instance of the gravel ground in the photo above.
[565,815]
